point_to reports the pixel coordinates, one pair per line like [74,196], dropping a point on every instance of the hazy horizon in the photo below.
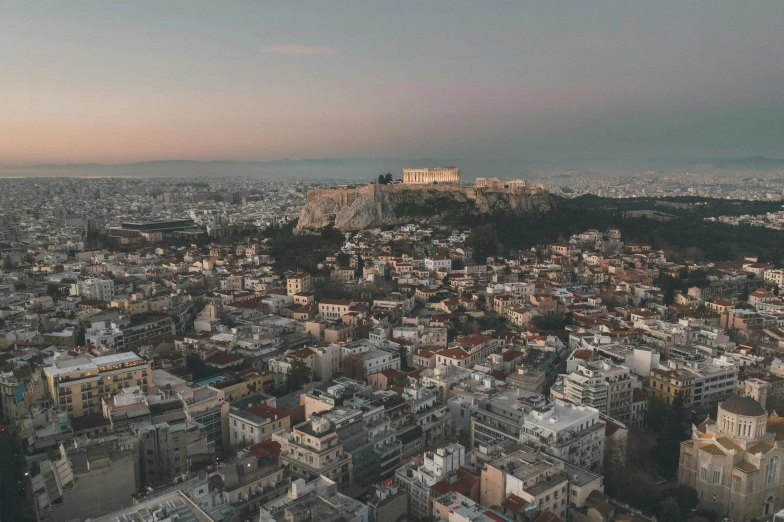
[498,86]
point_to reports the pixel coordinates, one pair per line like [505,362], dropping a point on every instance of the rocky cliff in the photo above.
[399,204]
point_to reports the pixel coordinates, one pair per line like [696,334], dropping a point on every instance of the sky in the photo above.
[557,81]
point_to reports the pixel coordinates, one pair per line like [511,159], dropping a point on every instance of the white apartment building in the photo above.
[103,333]
[601,385]
[94,288]
[417,479]
[377,355]
[567,431]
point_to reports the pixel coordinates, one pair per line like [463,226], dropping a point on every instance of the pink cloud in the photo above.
[298,49]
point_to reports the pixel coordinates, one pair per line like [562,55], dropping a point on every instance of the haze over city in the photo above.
[505,83]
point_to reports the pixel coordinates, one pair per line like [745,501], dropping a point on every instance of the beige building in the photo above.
[298,283]
[734,462]
[434,175]
[315,450]
[76,385]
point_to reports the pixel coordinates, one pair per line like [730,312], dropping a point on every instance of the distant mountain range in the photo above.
[359,168]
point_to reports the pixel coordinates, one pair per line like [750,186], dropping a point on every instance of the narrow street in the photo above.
[13,503]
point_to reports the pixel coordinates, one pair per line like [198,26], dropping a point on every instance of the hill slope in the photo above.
[375,206]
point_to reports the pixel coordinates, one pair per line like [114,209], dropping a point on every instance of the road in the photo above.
[13,505]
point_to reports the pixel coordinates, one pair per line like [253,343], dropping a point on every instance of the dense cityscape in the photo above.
[441,261]
[190,348]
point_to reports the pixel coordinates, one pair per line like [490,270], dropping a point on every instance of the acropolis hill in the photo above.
[357,207]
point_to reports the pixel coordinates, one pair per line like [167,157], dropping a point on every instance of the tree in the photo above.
[672,433]
[360,267]
[657,410]
[670,510]
[388,178]
[744,296]
[382,180]
[481,302]
[685,496]
[299,375]
[403,358]
[354,367]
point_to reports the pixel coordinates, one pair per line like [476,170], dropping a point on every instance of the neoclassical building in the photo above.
[436,175]
[734,462]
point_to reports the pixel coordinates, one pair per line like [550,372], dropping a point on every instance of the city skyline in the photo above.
[118,84]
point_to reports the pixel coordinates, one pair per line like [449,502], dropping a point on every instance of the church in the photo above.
[734,462]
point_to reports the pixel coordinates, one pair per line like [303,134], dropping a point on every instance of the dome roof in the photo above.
[745,406]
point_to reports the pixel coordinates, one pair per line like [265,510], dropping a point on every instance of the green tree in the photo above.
[744,296]
[382,180]
[481,302]
[669,510]
[360,267]
[669,442]
[388,178]
[686,497]
[403,358]
[657,410]
[354,367]
[299,375]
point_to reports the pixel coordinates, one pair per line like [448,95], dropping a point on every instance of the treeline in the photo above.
[688,236]
[304,251]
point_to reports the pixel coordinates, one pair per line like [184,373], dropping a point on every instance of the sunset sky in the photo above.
[116,82]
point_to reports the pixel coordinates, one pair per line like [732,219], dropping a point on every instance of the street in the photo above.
[13,504]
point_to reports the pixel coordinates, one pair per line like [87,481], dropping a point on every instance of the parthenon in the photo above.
[434,175]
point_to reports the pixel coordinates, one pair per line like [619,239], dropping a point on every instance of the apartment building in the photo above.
[298,283]
[528,476]
[251,424]
[145,327]
[208,407]
[316,450]
[670,383]
[165,450]
[77,384]
[333,309]
[601,385]
[570,432]
[417,478]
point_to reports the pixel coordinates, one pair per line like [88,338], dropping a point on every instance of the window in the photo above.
[771,470]
[716,476]
[703,473]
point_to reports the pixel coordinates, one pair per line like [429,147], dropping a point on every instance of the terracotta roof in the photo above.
[711,448]
[302,353]
[745,467]
[454,353]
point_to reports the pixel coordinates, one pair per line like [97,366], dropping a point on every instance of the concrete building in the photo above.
[252,423]
[316,450]
[567,431]
[318,500]
[423,176]
[207,406]
[76,385]
[528,476]
[298,283]
[166,450]
[144,327]
[601,385]
[96,479]
[103,333]
[417,478]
